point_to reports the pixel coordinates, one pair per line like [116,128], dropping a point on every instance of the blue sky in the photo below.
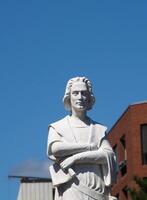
[42,45]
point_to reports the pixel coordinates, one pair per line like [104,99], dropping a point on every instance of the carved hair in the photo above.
[66,98]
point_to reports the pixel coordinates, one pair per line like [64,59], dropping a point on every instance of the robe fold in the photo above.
[87,181]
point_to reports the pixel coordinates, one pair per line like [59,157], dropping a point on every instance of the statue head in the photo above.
[66,98]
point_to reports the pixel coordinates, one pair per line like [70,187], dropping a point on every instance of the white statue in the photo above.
[85,164]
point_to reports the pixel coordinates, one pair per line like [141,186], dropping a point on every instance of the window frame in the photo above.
[144,162]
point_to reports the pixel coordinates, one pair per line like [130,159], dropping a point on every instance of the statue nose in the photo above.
[80,95]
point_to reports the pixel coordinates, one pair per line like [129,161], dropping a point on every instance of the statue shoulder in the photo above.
[99,125]
[60,124]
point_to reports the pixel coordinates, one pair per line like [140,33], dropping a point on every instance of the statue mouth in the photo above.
[81,103]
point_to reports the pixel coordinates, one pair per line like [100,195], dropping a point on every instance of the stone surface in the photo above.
[85,163]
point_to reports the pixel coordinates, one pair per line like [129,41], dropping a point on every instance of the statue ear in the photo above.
[90,104]
[67,104]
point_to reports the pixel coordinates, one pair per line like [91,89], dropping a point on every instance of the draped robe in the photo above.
[82,181]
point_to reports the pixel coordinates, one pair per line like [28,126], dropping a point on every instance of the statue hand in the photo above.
[67,162]
[93,146]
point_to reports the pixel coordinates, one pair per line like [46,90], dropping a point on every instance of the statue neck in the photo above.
[79,122]
[79,115]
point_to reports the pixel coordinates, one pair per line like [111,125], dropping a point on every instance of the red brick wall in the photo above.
[129,125]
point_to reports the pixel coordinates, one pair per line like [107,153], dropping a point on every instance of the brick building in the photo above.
[128,138]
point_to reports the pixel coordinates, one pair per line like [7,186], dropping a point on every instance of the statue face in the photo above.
[79,96]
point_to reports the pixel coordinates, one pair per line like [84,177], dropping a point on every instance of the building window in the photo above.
[123,142]
[123,162]
[117,196]
[144,143]
[123,167]
[115,149]
[125,192]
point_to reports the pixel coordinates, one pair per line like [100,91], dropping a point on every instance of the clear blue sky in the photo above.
[42,45]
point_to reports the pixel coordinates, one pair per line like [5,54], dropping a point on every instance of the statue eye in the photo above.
[75,92]
[84,93]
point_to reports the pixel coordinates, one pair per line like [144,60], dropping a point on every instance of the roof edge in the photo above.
[126,110]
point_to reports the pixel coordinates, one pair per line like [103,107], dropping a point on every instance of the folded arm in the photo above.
[97,156]
[62,149]
[58,148]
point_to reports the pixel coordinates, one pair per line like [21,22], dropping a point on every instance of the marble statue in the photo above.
[84,163]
